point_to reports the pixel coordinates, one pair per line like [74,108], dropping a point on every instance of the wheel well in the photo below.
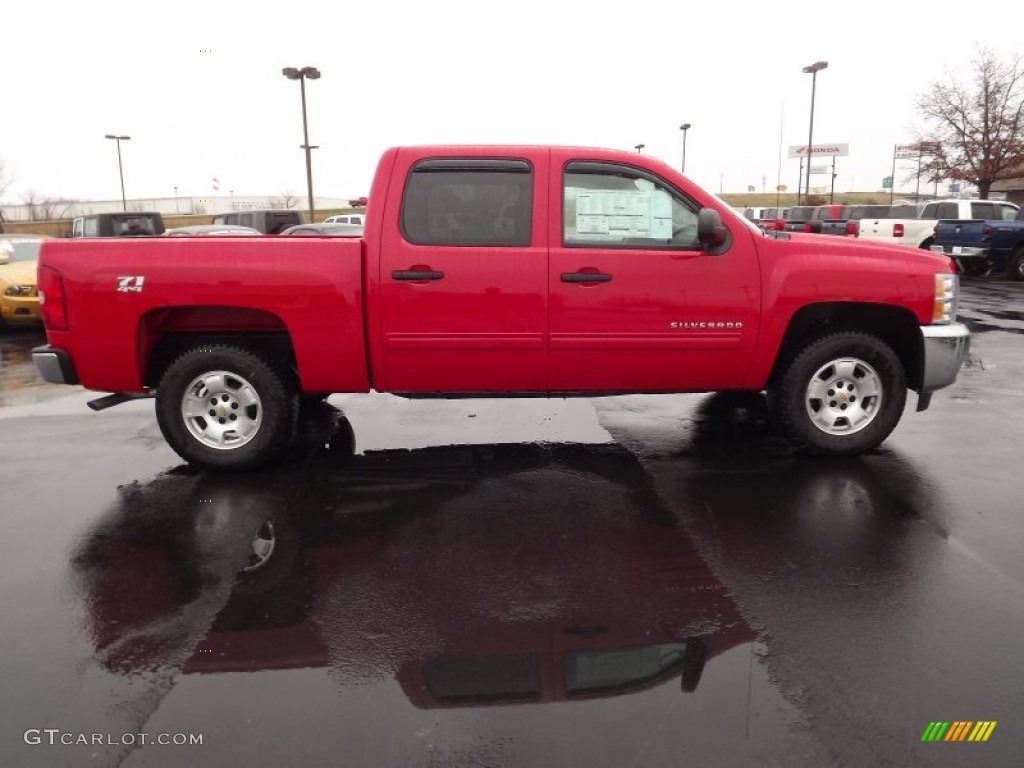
[896,326]
[275,347]
[166,333]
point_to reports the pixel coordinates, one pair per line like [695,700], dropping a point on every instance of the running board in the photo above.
[102,403]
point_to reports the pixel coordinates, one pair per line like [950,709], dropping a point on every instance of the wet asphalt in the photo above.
[630,581]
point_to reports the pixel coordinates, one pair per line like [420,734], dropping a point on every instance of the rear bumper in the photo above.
[54,365]
[945,349]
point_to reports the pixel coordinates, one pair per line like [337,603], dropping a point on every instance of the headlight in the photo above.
[944,306]
[19,290]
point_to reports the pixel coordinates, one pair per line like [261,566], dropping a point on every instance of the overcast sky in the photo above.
[556,72]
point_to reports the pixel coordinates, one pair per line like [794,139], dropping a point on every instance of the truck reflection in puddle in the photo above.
[473,575]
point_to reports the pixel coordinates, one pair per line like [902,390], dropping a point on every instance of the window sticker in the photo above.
[616,214]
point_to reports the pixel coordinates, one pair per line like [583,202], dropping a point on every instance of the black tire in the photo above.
[869,364]
[1015,265]
[974,267]
[267,425]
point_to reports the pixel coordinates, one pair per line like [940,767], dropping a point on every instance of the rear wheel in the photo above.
[224,406]
[1015,265]
[839,395]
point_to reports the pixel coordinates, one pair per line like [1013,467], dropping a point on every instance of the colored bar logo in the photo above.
[958,730]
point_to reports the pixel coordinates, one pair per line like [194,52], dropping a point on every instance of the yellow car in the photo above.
[19,299]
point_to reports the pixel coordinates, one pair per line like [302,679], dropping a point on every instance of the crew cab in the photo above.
[504,271]
[919,231]
[980,246]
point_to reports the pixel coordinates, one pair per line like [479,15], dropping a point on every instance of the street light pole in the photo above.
[813,70]
[301,74]
[639,147]
[176,200]
[684,128]
[120,168]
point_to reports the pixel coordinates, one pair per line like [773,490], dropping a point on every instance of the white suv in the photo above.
[347,218]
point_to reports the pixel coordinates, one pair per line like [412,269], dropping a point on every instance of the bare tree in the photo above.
[979,125]
[52,208]
[5,179]
[32,201]
[288,199]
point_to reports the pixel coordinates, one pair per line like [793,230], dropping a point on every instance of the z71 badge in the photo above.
[129,283]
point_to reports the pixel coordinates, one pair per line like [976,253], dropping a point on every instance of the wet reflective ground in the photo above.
[635,581]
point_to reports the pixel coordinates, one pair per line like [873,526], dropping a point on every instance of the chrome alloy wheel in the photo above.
[263,544]
[221,410]
[844,396]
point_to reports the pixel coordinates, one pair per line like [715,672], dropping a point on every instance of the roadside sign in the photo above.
[954,188]
[821,169]
[887,182]
[820,150]
[905,151]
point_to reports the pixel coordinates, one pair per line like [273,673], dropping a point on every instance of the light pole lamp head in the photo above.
[684,127]
[816,67]
[122,138]
[291,73]
[310,72]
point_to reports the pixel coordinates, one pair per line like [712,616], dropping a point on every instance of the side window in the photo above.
[948,211]
[469,202]
[931,211]
[983,211]
[247,219]
[92,227]
[77,230]
[1006,213]
[619,207]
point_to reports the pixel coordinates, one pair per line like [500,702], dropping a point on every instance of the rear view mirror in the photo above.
[711,233]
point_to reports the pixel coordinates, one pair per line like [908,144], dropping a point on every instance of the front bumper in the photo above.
[16,309]
[54,365]
[944,350]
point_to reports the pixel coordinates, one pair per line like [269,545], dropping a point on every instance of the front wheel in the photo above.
[223,406]
[839,395]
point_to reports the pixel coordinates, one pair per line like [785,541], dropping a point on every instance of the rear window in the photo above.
[131,225]
[903,212]
[859,212]
[469,202]
[279,221]
[801,213]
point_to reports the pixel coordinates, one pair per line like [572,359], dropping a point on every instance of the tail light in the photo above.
[52,305]
[897,230]
[808,227]
[986,232]
[851,229]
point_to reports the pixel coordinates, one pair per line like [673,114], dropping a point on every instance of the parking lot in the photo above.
[645,581]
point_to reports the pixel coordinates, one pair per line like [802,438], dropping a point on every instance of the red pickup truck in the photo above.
[503,271]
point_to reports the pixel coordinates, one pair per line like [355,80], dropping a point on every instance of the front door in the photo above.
[463,275]
[636,303]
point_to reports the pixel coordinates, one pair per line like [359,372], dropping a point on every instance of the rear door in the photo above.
[463,272]
[636,303]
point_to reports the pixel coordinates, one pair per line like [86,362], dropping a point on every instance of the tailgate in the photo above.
[959,232]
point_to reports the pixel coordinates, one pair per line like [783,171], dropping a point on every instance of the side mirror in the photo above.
[711,233]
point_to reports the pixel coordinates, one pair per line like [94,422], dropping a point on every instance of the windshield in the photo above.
[19,250]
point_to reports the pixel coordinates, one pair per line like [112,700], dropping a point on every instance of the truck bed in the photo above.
[119,292]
